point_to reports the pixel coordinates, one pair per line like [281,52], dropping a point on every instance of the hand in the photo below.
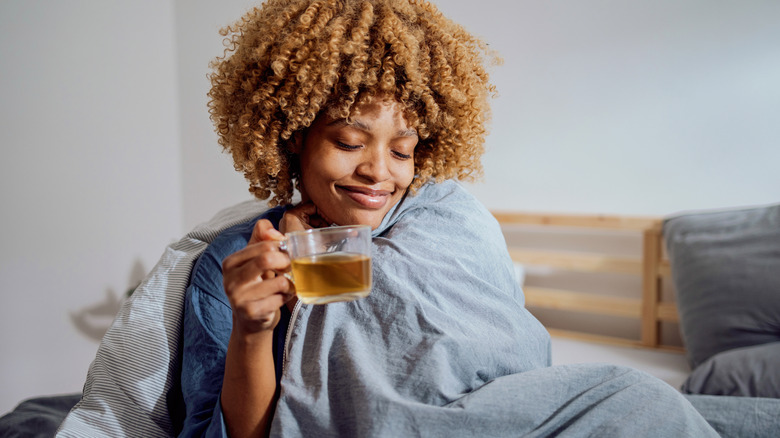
[302,217]
[254,281]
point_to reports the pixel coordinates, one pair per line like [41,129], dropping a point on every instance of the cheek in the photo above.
[335,168]
[322,170]
[405,176]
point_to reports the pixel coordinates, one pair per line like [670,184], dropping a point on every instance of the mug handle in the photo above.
[283,248]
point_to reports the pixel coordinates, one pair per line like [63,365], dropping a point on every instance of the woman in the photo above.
[370,109]
[349,103]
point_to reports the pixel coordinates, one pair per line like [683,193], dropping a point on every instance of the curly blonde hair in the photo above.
[288,60]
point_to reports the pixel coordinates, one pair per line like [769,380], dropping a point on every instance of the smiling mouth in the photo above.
[366,197]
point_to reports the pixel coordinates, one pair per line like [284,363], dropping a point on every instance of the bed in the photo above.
[703,312]
[601,284]
[641,323]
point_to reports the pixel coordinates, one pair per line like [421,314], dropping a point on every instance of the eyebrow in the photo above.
[411,132]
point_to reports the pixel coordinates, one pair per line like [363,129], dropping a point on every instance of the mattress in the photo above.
[671,367]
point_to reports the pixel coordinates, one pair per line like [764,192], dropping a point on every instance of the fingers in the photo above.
[249,277]
[302,217]
[264,255]
[256,303]
[253,282]
[255,270]
[262,296]
[258,315]
[264,230]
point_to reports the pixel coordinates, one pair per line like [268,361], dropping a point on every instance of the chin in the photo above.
[372,220]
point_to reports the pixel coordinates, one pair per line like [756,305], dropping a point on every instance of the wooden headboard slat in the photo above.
[665,269]
[667,311]
[580,262]
[582,302]
[651,287]
[651,266]
[577,221]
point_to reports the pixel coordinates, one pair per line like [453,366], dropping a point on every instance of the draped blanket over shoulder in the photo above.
[443,346]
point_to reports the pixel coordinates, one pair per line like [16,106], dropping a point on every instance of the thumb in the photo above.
[264,230]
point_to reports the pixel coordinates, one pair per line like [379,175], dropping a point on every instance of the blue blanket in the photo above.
[443,346]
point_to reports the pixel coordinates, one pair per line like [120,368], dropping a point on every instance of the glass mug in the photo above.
[330,264]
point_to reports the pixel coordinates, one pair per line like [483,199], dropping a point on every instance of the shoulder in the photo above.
[440,211]
[236,237]
[447,203]
[207,272]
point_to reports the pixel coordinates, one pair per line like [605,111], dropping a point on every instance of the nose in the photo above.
[374,165]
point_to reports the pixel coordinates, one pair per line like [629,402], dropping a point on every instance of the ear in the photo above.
[296,142]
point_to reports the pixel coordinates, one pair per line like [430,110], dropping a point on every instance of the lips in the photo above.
[367,197]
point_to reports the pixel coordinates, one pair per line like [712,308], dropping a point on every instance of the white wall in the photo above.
[646,107]
[209,180]
[629,107]
[90,177]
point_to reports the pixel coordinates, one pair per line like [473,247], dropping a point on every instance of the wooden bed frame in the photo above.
[651,265]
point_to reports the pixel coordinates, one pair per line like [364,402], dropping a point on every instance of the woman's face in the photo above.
[354,173]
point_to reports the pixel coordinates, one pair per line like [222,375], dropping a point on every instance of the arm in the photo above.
[232,306]
[256,290]
[228,375]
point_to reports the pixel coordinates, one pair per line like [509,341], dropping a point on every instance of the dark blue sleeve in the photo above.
[206,330]
[208,321]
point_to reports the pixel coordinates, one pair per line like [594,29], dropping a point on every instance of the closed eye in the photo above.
[401,155]
[347,146]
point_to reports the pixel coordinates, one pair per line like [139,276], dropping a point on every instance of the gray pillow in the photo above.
[726,270]
[746,372]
